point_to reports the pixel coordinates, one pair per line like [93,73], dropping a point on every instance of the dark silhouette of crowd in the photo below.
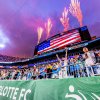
[4,58]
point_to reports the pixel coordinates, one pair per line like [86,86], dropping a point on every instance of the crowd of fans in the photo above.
[79,65]
[4,58]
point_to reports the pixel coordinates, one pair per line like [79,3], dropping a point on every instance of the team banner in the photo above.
[60,89]
[17,90]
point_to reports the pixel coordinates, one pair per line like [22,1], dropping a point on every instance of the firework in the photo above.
[76,11]
[48,27]
[64,19]
[40,31]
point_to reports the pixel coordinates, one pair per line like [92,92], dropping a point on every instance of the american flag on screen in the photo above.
[59,42]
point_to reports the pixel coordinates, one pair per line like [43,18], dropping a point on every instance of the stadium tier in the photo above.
[5,58]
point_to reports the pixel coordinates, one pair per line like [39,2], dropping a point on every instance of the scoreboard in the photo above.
[63,39]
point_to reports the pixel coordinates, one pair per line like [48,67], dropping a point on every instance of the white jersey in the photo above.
[64,63]
[90,60]
[63,71]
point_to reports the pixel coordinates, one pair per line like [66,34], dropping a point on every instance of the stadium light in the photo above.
[2,45]
[3,39]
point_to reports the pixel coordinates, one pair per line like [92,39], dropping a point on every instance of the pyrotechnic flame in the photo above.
[40,31]
[76,11]
[48,27]
[64,19]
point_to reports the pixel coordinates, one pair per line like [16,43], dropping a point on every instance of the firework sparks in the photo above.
[64,19]
[40,31]
[48,27]
[76,11]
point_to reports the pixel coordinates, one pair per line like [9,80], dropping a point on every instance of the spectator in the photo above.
[49,71]
[29,75]
[89,60]
[63,65]
[35,73]
[55,70]
[42,73]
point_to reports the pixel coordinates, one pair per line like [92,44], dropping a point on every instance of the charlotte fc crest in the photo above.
[79,95]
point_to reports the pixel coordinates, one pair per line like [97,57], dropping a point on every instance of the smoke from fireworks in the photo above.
[64,19]
[75,10]
[48,27]
[40,31]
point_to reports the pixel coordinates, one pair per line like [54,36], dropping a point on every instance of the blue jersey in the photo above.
[77,67]
[72,67]
[54,70]
[41,70]
[19,74]
[29,75]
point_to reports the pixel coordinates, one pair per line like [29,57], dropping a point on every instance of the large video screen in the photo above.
[62,40]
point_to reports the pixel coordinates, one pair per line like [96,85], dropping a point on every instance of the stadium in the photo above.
[65,66]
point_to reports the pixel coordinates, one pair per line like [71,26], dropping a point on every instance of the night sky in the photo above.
[19,20]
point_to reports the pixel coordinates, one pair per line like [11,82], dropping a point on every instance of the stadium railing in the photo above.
[76,73]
